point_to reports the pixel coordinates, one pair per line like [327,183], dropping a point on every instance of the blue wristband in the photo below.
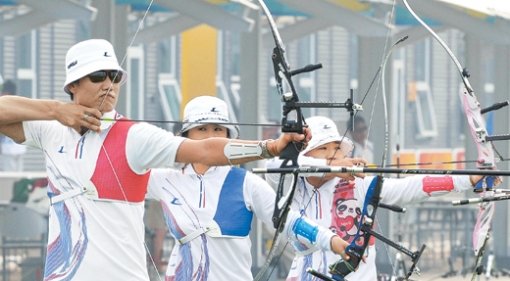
[305,229]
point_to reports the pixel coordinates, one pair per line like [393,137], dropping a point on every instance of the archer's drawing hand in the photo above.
[349,162]
[78,117]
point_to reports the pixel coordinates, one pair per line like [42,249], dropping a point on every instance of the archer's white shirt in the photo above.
[9,147]
[337,205]
[340,212]
[190,202]
[96,239]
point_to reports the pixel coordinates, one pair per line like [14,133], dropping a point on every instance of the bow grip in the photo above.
[485,184]
[341,268]
[291,152]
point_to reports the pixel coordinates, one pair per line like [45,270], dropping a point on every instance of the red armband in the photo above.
[437,184]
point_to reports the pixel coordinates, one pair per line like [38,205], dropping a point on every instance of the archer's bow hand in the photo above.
[275,147]
[338,246]
[481,183]
[78,117]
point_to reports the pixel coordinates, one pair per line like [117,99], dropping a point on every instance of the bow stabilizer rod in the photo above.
[355,170]
[496,197]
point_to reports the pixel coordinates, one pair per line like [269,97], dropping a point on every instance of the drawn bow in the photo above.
[485,149]
[357,248]
[292,122]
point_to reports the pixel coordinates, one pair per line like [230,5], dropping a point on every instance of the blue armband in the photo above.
[304,228]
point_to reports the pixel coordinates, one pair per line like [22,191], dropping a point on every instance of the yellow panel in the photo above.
[353,5]
[475,14]
[407,157]
[198,62]
[217,1]
[472,8]
[436,158]
[459,155]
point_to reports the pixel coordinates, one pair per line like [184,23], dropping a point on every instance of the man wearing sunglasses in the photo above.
[98,165]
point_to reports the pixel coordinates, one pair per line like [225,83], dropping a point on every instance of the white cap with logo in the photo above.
[207,110]
[324,131]
[89,56]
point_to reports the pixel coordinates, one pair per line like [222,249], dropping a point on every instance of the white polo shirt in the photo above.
[191,201]
[99,238]
[339,207]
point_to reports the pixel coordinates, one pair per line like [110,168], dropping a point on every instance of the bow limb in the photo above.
[470,103]
[358,246]
[277,246]
[485,150]
[356,249]
[292,122]
[117,179]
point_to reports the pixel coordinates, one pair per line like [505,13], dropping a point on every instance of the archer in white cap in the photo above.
[337,203]
[98,164]
[209,209]
[208,110]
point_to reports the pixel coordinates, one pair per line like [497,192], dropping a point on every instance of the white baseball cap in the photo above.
[324,131]
[89,56]
[207,110]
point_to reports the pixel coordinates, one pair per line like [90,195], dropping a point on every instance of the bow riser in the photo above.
[291,152]
[283,79]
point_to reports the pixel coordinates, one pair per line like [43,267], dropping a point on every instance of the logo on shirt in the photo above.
[107,55]
[326,127]
[175,201]
[61,150]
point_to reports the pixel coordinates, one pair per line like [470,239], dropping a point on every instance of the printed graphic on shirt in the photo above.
[63,255]
[345,211]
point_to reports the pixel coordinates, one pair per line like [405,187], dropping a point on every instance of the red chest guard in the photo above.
[113,177]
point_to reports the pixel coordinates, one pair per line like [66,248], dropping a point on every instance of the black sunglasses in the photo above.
[100,75]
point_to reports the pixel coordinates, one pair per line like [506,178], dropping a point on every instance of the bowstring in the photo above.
[468,90]
[302,213]
[380,81]
[139,27]
[279,44]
